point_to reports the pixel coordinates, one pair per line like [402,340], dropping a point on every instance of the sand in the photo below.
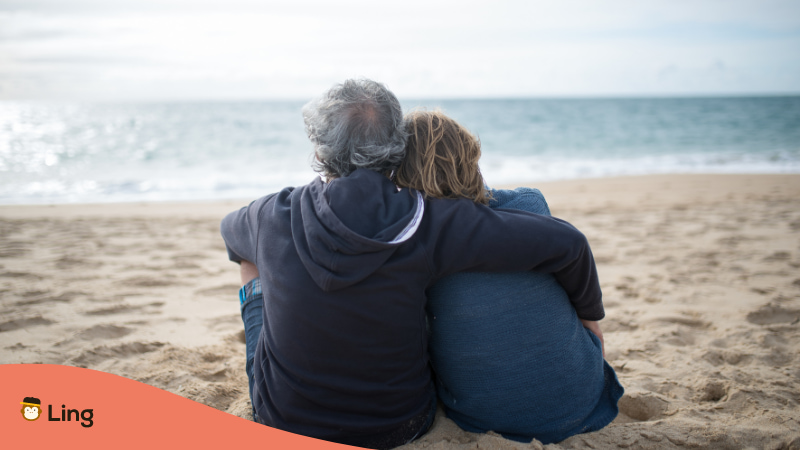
[700,274]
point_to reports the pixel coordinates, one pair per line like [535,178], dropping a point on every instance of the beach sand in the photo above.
[700,274]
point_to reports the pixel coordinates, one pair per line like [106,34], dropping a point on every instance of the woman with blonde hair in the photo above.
[510,352]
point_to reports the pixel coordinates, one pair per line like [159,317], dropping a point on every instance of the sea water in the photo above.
[73,152]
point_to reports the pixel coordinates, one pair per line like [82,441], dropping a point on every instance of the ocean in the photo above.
[90,153]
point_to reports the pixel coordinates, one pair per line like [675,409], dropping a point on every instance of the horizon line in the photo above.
[649,96]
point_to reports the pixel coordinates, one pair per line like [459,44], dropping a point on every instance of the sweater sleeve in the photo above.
[472,237]
[240,231]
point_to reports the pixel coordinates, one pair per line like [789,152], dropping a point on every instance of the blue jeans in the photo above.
[252,307]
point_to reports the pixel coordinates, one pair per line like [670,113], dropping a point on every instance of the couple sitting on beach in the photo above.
[368,295]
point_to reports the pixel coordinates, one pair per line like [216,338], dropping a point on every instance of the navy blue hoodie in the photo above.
[344,266]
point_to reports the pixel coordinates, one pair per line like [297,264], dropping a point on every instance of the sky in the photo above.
[165,50]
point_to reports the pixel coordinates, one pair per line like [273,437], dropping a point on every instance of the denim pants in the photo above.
[252,308]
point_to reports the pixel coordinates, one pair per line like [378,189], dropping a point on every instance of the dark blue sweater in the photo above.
[344,267]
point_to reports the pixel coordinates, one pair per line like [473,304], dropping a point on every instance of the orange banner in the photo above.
[50,406]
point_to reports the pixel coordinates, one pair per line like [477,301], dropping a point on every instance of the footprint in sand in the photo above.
[32,276]
[37,297]
[772,314]
[103,352]
[730,357]
[780,350]
[149,282]
[122,309]
[642,406]
[627,291]
[25,322]
[220,375]
[762,291]
[223,323]
[17,346]
[211,357]
[688,321]
[616,324]
[69,262]
[779,256]
[238,337]
[713,390]
[684,334]
[226,291]
[186,265]
[106,331]
[14,249]
[214,394]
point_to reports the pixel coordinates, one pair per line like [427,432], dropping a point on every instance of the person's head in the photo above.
[356,124]
[441,158]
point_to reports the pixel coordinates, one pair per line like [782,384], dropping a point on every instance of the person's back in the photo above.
[509,350]
[510,354]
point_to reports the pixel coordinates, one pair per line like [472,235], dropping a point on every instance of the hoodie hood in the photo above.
[347,228]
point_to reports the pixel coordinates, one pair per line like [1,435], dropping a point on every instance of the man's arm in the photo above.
[532,200]
[471,237]
[240,231]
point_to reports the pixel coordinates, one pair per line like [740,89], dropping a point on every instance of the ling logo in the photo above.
[31,408]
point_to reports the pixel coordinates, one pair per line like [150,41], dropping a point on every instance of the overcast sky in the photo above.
[245,49]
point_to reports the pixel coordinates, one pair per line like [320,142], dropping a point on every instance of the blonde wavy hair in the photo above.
[441,158]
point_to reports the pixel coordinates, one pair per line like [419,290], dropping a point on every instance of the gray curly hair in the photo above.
[356,124]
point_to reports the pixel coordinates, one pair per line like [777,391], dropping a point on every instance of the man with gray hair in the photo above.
[335,275]
[358,124]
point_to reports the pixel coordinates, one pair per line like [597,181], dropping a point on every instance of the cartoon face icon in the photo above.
[31,408]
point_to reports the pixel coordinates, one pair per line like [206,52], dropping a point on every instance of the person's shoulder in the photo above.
[501,196]
[450,203]
[522,198]
[440,210]
[315,188]
[281,197]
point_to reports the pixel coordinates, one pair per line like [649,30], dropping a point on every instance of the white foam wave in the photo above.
[510,170]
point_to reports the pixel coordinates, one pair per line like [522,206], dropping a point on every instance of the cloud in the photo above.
[260,49]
